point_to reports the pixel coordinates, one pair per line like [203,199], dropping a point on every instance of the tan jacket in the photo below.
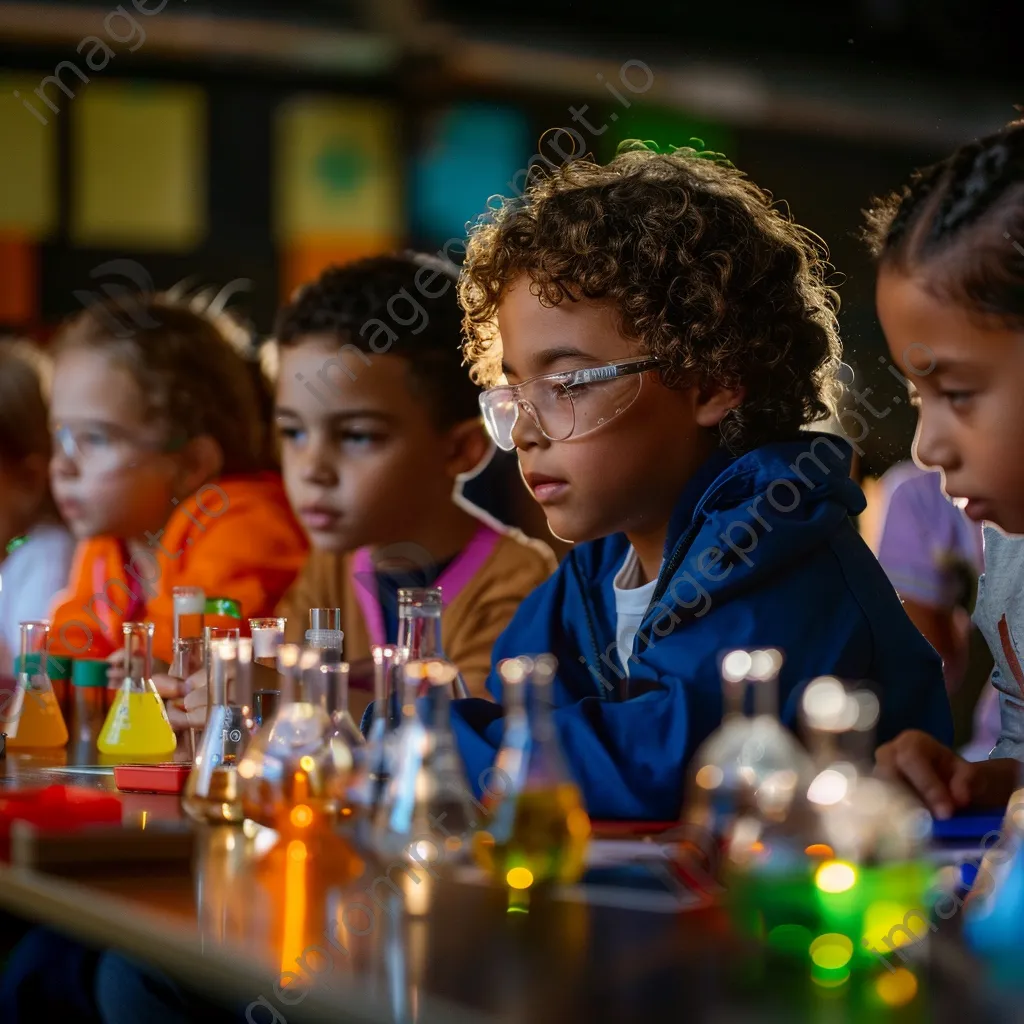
[507,569]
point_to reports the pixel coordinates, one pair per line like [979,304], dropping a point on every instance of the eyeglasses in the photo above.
[567,404]
[101,444]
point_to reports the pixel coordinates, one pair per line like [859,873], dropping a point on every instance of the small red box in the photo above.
[55,809]
[152,778]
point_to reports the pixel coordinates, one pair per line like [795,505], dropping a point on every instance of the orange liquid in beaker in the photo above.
[38,722]
[137,725]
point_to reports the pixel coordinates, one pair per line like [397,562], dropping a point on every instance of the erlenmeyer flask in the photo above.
[289,778]
[336,685]
[428,779]
[419,629]
[840,871]
[189,612]
[211,790]
[538,828]
[136,724]
[33,717]
[373,767]
[749,747]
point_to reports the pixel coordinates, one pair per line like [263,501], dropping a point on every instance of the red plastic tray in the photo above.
[55,809]
[152,778]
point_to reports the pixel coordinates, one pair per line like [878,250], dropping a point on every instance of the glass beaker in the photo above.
[289,777]
[267,636]
[189,612]
[137,724]
[33,717]
[428,779]
[211,790]
[538,828]
[419,629]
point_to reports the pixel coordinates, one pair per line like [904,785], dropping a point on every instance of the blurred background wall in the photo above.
[246,143]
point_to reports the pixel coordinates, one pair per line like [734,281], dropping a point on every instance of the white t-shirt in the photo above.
[30,577]
[631,603]
[999,614]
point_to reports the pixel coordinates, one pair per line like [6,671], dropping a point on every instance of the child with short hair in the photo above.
[378,422]
[655,335]
[35,548]
[950,295]
[163,469]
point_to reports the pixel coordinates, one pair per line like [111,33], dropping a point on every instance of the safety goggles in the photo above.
[567,404]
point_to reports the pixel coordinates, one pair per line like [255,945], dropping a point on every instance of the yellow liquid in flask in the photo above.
[137,725]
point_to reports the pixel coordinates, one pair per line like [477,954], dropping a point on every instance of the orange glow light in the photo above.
[820,850]
[301,816]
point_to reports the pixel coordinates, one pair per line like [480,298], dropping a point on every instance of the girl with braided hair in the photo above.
[950,298]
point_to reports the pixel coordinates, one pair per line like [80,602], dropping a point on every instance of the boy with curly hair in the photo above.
[655,336]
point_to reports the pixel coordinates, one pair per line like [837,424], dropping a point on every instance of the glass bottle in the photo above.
[211,790]
[189,612]
[328,642]
[33,717]
[750,746]
[325,618]
[832,873]
[428,778]
[419,629]
[289,777]
[538,828]
[137,724]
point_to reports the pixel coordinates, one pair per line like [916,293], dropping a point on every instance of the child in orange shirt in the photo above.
[162,468]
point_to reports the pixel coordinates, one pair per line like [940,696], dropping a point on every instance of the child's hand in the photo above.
[944,780]
[115,669]
[168,687]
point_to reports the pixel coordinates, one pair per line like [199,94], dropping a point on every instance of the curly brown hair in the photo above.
[703,268]
[190,368]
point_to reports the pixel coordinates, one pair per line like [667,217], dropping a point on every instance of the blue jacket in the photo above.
[760,552]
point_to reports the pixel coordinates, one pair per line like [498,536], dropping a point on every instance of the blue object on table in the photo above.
[967,826]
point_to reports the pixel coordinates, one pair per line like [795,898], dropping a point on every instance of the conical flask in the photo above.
[750,746]
[336,685]
[538,827]
[290,779]
[33,717]
[419,629]
[346,741]
[374,766]
[426,796]
[136,724]
[211,790]
[834,872]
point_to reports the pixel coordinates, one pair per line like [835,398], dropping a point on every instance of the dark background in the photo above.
[852,95]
